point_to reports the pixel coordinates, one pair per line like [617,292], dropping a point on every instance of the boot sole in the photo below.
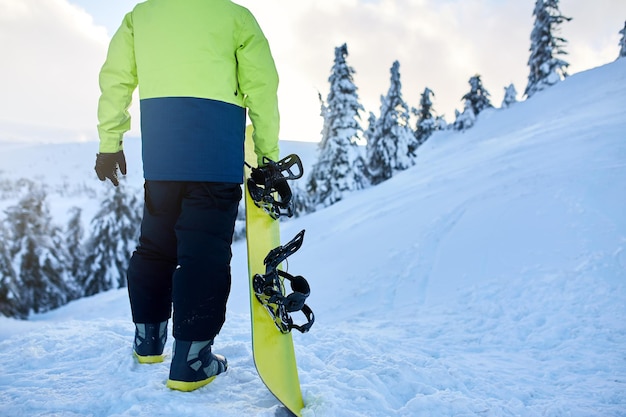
[149,359]
[188,386]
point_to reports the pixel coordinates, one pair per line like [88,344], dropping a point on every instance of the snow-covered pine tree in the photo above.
[113,237]
[368,134]
[326,122]
[478,96]
[545,68]
[465,120]
[475,101]
[370,140]
[390,142]
[426,120]
[339,168]
[38,254]
[622,43]
[307,201]
[441,123]
[301,200]
[510,96]
[74,234]
[11,304]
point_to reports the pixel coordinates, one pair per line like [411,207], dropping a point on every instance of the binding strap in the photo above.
[270,180]
[269,289]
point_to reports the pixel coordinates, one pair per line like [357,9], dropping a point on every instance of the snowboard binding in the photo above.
[269,180]
[270,289]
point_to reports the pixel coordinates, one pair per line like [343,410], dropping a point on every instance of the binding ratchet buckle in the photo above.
[269,180]
[270,289]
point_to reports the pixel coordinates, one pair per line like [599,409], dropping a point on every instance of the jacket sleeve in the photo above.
[118,80]
[258,81]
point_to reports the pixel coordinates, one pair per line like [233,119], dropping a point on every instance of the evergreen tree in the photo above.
[426,120]
[475,101]
[370,140]
[441,123]
[371,127]
[465,120]
[302,201]
[510,96]
[38,255]
[478,96]
[114,232]
[622,43]
[326,125]
[392,141]
[339,168]
[545,68]
[11,304]
[73,242]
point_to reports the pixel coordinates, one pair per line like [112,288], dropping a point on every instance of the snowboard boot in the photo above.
[194,365]
[150,341]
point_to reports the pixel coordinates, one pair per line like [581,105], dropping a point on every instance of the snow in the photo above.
[487,280]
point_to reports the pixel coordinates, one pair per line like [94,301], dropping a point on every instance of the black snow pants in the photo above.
[183,256]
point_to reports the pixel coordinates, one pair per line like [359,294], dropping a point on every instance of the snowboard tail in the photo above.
[273,351]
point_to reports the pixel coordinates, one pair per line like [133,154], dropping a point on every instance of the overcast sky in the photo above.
[51,52]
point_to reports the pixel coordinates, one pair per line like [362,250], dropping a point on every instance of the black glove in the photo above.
[263,175]
[270,177]
[107,165]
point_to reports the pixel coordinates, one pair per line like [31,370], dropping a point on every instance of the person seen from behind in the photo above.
[198,65]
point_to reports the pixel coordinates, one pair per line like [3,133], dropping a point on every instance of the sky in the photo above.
[52,51]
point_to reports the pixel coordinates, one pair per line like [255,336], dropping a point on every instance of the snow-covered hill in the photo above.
[488,280]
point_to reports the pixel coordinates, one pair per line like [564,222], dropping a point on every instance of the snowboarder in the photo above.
[198,65]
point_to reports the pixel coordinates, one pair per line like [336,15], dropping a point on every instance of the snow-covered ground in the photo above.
[488,280]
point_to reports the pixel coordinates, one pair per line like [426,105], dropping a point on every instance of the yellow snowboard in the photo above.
[273,351]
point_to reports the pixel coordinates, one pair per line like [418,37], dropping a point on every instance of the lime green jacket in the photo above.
[198,65]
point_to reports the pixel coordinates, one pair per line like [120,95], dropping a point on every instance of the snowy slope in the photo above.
[488,280]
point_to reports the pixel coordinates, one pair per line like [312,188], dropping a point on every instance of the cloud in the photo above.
[593,32]
[51,54]
[440,44]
